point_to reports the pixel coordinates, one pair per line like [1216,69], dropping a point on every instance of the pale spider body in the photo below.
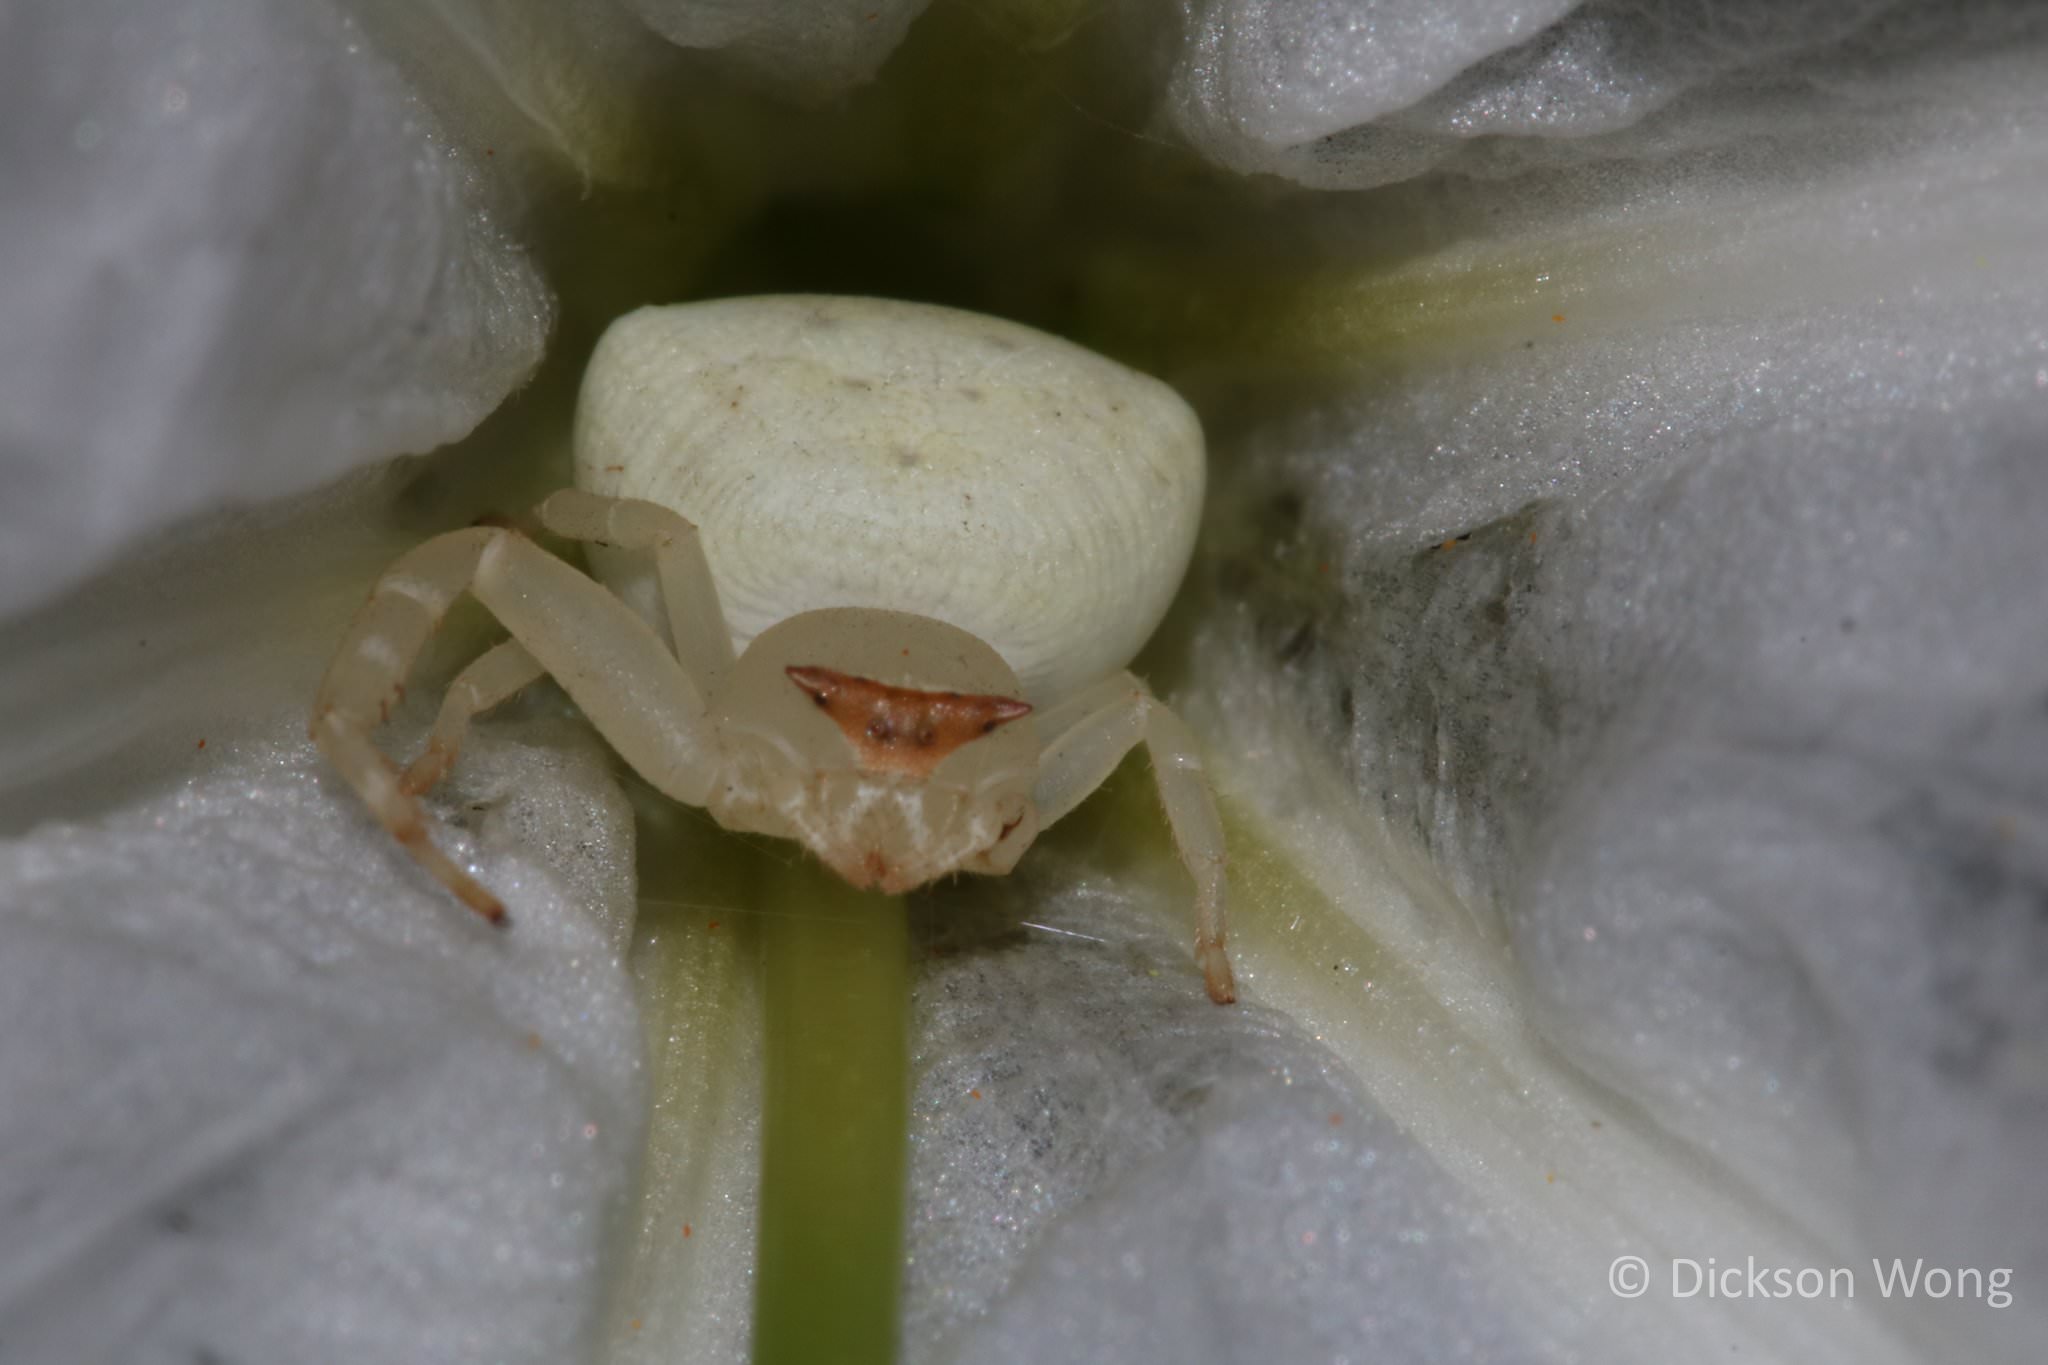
[874,573]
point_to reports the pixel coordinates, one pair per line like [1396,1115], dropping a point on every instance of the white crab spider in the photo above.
[878,569]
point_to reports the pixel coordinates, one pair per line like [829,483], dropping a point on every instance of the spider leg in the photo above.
[695,618]
[367,678]
[492,677]
[1089,735]
[615,669]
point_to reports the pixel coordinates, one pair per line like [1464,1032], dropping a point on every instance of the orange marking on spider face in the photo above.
[901,729]
[876,867]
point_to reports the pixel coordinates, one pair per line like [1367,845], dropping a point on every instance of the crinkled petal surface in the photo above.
[256,1074]
[235,259]
[816,48]
[1348,96]
[266,1097]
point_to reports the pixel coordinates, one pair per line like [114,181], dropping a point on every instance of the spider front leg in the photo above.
[491,678]
[704,646]
[1089,735]
[695,618]
[611,664]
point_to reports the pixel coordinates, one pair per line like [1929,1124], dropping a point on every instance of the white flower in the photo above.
[1619,638]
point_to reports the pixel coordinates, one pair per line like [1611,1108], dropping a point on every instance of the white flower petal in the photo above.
[1686,619]
[235,262]
[1347,96]
[815,47]
[270,1095]
[268,1092]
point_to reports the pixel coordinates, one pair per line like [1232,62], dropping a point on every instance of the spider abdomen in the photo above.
[873,453]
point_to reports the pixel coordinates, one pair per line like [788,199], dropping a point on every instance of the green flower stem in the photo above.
[836,998]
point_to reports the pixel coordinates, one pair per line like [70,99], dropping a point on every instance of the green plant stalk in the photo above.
[835,1113]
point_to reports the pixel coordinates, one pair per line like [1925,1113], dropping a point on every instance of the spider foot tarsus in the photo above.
[429,768]
[491,678]
[466,888]
[1216,973]
[376,779]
